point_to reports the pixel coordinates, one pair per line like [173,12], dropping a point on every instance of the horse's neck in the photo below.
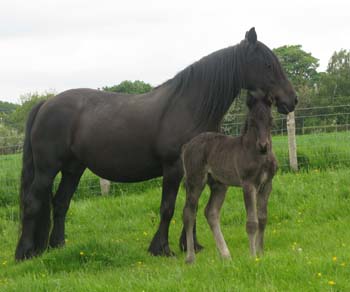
[196,100]
[210,85]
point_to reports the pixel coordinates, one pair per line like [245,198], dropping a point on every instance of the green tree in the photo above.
[7,106]
[336,80]
[299,65]
[131,87]
[17,119]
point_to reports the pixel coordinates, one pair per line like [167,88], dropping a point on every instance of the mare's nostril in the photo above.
[296,99]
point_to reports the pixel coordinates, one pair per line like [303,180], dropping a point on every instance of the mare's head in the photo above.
[259,121]
[263,71]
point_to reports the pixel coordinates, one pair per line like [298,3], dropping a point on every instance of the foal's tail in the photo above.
[27,175]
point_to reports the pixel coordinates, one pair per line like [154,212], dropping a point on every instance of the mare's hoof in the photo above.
[56,243]
[183,245]
[198,247]
[24,252]
[157,250]
[162,252]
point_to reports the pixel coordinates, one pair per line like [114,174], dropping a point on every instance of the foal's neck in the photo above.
[250,136]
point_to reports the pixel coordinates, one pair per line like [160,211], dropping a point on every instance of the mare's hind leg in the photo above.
[212,213]
[36,213]
[252,217]
[68,185]
[263,197]
[194,188]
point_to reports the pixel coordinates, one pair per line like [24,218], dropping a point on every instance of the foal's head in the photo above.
[259,121]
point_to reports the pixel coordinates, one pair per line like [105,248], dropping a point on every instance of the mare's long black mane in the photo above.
[217,79]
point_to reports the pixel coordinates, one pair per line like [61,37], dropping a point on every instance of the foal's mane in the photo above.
[255,114]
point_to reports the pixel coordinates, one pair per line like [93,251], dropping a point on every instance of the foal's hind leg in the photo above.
[252,217]
[263,197]
[183,242]
[68,185]
[212,213]
[194,189]
[36,216]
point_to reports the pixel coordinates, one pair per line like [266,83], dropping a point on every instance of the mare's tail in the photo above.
[27,175]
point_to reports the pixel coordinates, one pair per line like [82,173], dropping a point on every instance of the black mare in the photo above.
[130,138]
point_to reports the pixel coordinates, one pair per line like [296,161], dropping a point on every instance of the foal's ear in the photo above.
[251,36]
[250,100]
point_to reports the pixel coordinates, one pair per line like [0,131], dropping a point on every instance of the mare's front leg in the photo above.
[250,201]
[172,175]
[263,197]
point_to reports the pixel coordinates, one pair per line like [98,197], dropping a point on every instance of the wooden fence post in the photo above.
[292,144]
[105,186]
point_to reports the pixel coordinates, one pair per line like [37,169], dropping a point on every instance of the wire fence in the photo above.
[323,141]
[322,136]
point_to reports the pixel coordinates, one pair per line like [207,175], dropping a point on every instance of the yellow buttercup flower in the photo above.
[331,282]
[334,259]
[319,274]
[81,253]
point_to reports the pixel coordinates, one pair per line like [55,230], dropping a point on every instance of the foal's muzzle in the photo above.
[262,147]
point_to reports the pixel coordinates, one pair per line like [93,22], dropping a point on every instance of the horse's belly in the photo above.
[126,170]
[117,162]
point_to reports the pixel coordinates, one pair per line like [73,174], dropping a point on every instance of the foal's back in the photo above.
[212,153]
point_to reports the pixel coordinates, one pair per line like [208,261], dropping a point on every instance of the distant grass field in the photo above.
[307,243]
[315,151]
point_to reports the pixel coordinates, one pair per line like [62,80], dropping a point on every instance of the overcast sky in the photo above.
[46,45]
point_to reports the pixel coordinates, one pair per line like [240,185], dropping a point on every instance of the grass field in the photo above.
[307,238]
[315,151]
[307,243]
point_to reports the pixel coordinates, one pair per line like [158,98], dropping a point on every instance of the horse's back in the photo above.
[112,134]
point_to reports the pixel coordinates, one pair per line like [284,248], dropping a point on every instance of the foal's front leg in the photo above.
[212,213]
[249,191]
[262,197]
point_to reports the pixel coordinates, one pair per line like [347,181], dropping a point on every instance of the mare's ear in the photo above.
[268,100]
[251,36]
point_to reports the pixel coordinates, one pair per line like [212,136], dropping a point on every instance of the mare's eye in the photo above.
[268,65]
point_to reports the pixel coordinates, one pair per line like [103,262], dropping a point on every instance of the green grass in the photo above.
[309,215]
[315,151]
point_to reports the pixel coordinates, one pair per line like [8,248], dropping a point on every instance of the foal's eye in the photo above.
[268,65]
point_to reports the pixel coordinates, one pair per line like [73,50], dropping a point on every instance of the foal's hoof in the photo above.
[190,259]
[226,257]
